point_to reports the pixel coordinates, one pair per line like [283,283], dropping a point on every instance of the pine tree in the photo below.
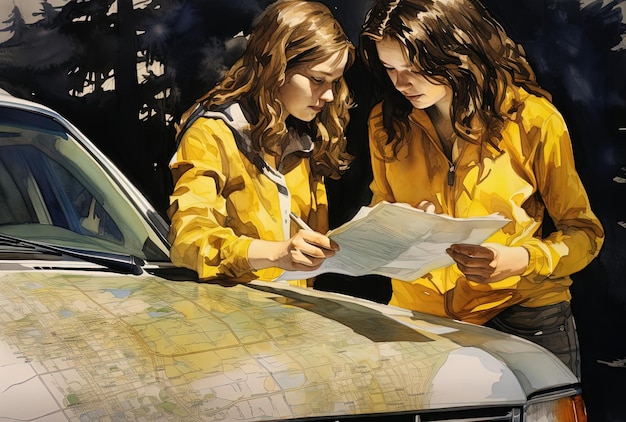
[15,25]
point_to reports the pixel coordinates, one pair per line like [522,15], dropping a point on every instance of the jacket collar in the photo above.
[296,145]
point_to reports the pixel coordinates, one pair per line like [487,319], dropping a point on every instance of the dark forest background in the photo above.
[123,73]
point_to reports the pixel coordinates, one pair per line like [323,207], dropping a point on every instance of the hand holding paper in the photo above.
[489,262]
[399,241]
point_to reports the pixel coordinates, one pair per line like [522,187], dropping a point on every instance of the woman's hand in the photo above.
[305,251]
[486,263]
[489,262]
[426,206]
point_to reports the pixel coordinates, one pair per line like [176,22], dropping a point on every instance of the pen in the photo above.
[300,222]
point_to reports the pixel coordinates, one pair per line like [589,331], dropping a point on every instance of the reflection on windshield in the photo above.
[55,192]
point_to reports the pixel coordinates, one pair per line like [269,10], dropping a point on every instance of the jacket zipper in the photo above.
[451,174]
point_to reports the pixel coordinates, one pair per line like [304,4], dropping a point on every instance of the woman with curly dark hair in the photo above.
[464,129]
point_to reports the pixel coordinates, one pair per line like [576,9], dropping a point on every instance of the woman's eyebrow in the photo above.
[322,72]
[327,74]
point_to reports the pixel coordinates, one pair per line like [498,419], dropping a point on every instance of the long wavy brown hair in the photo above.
[289,33]
[452,42]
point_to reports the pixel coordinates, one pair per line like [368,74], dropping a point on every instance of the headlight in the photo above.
[564,406]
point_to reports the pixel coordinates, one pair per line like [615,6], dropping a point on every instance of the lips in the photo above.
[316,109]
[413,97]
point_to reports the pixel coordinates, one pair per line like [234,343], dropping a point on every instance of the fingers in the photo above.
[310,249]
[477,274]
[466,252]
[303,261]
[474,261]
[426,206]
[322,242]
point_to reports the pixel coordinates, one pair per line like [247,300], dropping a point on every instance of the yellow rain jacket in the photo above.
[222,201]
[533,172]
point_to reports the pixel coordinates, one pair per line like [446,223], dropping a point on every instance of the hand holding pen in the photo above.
[318,246]
[304,251]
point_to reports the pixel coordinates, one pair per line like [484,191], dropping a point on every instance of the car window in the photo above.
[39,190]
[53,190]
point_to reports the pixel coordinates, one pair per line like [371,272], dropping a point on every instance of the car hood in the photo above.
[105,344]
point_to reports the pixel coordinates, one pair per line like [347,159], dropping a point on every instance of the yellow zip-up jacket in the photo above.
[533,172]
[221,201]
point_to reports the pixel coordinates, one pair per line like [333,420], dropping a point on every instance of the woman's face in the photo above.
[308,88]
[420,91]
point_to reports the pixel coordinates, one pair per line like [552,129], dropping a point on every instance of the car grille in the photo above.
[481,415]
[497,414]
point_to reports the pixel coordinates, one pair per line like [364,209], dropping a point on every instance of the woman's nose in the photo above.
[327,95]
[402,80]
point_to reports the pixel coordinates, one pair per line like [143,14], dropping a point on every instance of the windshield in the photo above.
[52,190]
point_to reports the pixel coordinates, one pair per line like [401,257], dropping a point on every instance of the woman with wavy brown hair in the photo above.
[464,129]
[258,147]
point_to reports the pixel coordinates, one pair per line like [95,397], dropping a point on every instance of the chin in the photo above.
[306,117]
[420,105]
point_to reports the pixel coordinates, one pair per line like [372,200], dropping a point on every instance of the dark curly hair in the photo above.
[288,34]
[453,42]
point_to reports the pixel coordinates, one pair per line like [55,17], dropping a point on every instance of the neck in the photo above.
[440,117]
[442,121]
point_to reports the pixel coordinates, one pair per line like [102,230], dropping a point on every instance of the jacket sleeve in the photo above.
[199,237]
[579,234]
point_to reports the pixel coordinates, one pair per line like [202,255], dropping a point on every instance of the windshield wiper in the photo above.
[126,264]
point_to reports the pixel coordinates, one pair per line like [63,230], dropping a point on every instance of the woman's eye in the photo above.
[317,80]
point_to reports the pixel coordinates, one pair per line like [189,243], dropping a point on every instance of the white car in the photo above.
[97,325]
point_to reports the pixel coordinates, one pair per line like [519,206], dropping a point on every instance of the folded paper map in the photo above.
[399,241]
